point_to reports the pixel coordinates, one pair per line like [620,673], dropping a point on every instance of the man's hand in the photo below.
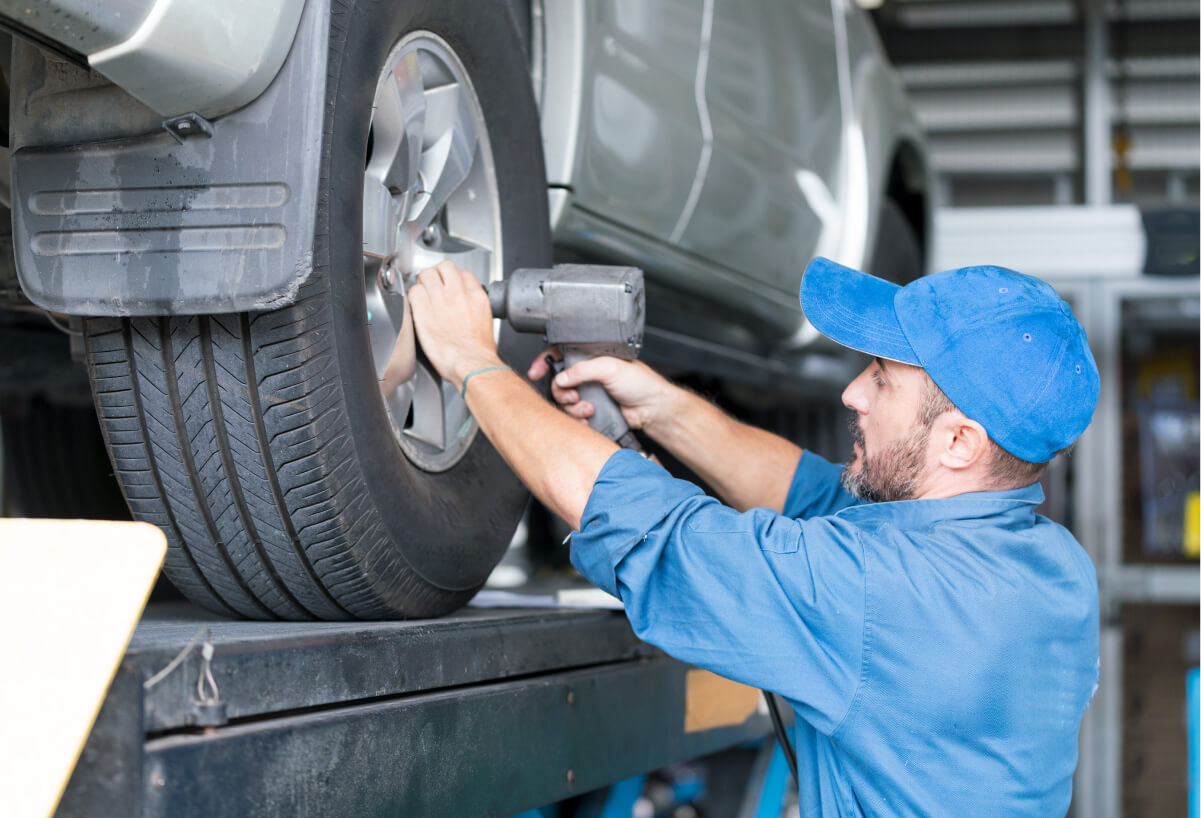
[747,467]
[453,320]
[560,462]
[643,394]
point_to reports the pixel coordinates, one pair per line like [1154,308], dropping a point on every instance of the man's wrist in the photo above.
[658,425]
[467,364]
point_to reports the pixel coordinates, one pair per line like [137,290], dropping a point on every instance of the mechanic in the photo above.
[937,639]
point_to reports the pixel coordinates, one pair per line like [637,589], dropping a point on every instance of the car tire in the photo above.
[898,254]
[55,464]
[259,442]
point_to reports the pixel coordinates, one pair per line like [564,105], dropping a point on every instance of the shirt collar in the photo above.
[970,505]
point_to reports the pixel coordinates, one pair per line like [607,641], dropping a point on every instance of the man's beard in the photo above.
[891,475]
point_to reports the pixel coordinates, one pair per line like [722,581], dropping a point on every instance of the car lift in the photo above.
[484,712]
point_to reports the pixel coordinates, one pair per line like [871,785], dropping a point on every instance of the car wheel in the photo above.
[898,254]
[307,462]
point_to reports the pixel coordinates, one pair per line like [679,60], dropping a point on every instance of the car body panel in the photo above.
[187,57]
[673,273]
[685,190]
[717,144]
[638,138]
[80,26]
[799,118]
[176,56]
[771,65]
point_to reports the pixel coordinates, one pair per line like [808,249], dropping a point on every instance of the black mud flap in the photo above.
[200,217]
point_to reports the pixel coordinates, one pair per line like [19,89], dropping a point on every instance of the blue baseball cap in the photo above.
[1003,346]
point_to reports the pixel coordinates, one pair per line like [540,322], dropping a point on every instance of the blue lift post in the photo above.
[767,790]
[1194,741]
[484,712]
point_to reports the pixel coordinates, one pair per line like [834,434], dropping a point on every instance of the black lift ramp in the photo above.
[487,712]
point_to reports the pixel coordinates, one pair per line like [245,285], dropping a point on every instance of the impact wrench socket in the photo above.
[586,310]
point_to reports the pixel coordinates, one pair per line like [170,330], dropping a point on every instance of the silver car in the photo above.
[233,193]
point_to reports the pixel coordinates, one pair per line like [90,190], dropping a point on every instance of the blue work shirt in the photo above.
[939,653]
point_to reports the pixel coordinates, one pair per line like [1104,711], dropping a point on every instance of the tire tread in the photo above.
[147,498]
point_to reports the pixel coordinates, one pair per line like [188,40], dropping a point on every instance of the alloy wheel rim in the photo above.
[429,194]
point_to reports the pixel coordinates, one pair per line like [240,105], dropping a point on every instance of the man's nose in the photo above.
[854,397]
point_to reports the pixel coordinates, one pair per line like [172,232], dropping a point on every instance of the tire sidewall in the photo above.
[450,527]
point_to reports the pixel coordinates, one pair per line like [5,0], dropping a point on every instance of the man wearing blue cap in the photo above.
[937,639]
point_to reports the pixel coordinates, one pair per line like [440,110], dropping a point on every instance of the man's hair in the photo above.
[1007,471]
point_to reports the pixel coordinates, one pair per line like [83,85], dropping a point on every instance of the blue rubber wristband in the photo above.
[469,375]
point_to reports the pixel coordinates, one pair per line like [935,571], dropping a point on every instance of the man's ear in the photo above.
[964,443]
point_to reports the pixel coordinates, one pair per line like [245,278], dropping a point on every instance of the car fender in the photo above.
[890,130]
[878,126]
[176,56]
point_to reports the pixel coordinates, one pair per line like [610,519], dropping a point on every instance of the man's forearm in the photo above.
[558,458]
[748,467]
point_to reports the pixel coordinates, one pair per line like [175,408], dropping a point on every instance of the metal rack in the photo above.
[1098,502]
[1093,256]
[1037,101]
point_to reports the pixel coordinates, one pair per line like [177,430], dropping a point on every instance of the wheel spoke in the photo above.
[402,362]
[409,87]
[451,142]
[466,222]
[399,401]
[387,128]
[456,415]
[472,259]
[429,414]
[380,214]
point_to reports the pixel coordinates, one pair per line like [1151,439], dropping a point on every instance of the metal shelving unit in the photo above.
[1037,101]
[1093,256]
[1098,502]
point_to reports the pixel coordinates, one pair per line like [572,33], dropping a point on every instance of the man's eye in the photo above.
[876,377]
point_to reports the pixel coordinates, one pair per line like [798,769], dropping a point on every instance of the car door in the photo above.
[773,138]
[639,133]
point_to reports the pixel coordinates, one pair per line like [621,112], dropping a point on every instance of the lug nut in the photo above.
[387,276]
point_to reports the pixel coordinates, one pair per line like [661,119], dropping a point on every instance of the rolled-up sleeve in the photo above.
[754,596]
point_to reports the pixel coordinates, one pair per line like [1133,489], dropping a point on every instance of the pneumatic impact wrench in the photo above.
[586,311]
